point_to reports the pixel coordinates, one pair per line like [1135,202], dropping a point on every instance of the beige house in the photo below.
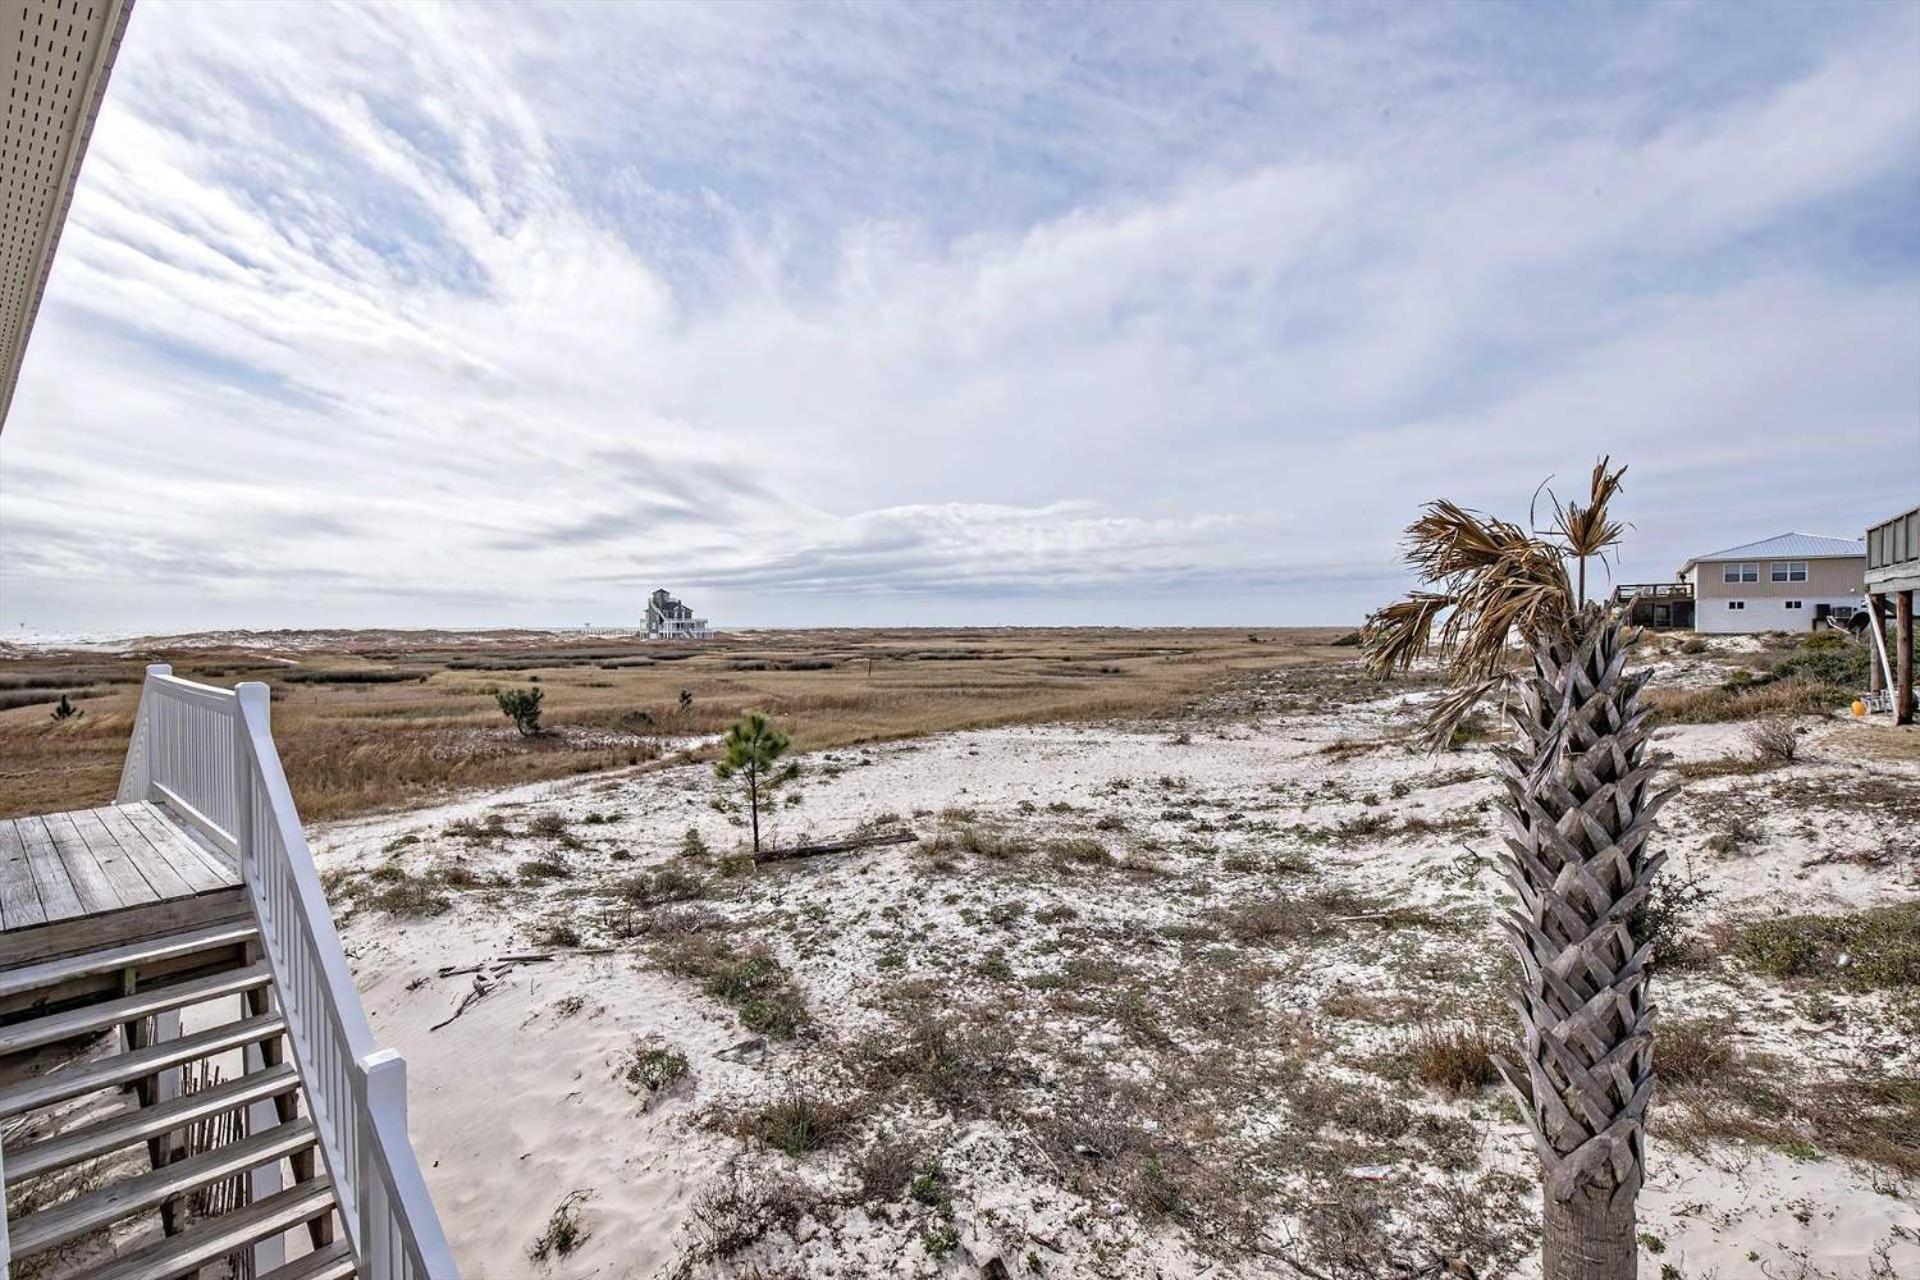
[1783,583]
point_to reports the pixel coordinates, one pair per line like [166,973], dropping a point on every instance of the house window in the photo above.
[1736,604]
[1787,571]
[1740,573]
[1796,604]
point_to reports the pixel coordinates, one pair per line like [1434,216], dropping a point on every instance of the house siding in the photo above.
[1836,582]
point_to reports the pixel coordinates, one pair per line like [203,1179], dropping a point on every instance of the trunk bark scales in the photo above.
[1589,1238]
[1579,813]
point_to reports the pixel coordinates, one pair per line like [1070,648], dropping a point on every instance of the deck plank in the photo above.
[128,884]
[94,887]
[19,899]
[159,829]
[165,881]
[91,878]
[164,845]
[59,896]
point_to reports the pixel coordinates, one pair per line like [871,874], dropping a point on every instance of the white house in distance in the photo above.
[1783,583]
[669,619]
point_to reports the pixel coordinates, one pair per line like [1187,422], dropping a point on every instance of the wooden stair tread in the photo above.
[329,1262]
[141,1123]
[96,1209]
[47,973]
[107,1014]
[120,1068]
[211,1239]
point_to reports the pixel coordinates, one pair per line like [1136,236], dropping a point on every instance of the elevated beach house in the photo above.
[1784,583]
[670,619]
[188,1083]
[1893,582]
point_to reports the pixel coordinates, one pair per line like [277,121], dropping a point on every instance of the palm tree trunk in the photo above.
[1580,809]
[1589,1238]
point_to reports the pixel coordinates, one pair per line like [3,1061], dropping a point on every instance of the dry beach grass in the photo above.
[368,721]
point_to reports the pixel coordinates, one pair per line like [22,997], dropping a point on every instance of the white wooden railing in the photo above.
[6,1253]
[207,754]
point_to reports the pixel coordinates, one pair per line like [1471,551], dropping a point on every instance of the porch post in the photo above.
[1903,696]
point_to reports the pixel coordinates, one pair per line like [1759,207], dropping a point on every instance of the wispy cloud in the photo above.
[420,314]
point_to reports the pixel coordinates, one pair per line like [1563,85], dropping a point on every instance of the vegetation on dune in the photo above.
[749,978]
[751,753]
[1824,670]
[522,706]
[1717,1089]
[1874,949]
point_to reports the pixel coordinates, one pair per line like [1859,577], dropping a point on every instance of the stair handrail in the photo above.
[6,1250]
[208,755]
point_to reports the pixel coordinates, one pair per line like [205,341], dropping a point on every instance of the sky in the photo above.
[498,315]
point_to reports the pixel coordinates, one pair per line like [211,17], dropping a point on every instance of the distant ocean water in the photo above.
[29,637]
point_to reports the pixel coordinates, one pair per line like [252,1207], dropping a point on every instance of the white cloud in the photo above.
[477,314]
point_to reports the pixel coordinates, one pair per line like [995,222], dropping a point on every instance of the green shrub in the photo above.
[1078,851]
[1874,949]
[751,981]
[668,884]
[1821,661]
[799,1123]
[522,706]
[406,895]
[652,1068]
[556,934]
[565,1231]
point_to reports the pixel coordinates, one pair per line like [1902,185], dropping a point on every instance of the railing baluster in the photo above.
[208,753]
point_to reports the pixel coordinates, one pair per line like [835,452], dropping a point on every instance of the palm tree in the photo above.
[1579,810]
[749,751]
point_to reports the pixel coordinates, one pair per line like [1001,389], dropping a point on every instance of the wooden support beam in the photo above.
[1903,696]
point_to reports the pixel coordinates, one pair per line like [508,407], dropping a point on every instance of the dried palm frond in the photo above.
[1524,592]
[1589,530]
[1399,633]
[1448,540]
[1490,583]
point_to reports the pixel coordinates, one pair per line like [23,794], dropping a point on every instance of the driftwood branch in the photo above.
[489,974]
[836,846]
[537,957]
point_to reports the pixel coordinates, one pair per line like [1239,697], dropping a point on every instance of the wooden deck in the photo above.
[95,877]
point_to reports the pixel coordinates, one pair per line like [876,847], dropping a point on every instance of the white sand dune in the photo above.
[516,1103]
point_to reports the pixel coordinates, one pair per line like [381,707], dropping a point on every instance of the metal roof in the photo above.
[58,54]
[1788,546]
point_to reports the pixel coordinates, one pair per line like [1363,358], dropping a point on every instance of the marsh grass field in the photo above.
[370,721]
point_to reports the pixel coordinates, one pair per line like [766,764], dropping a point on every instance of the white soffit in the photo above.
[55,56]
